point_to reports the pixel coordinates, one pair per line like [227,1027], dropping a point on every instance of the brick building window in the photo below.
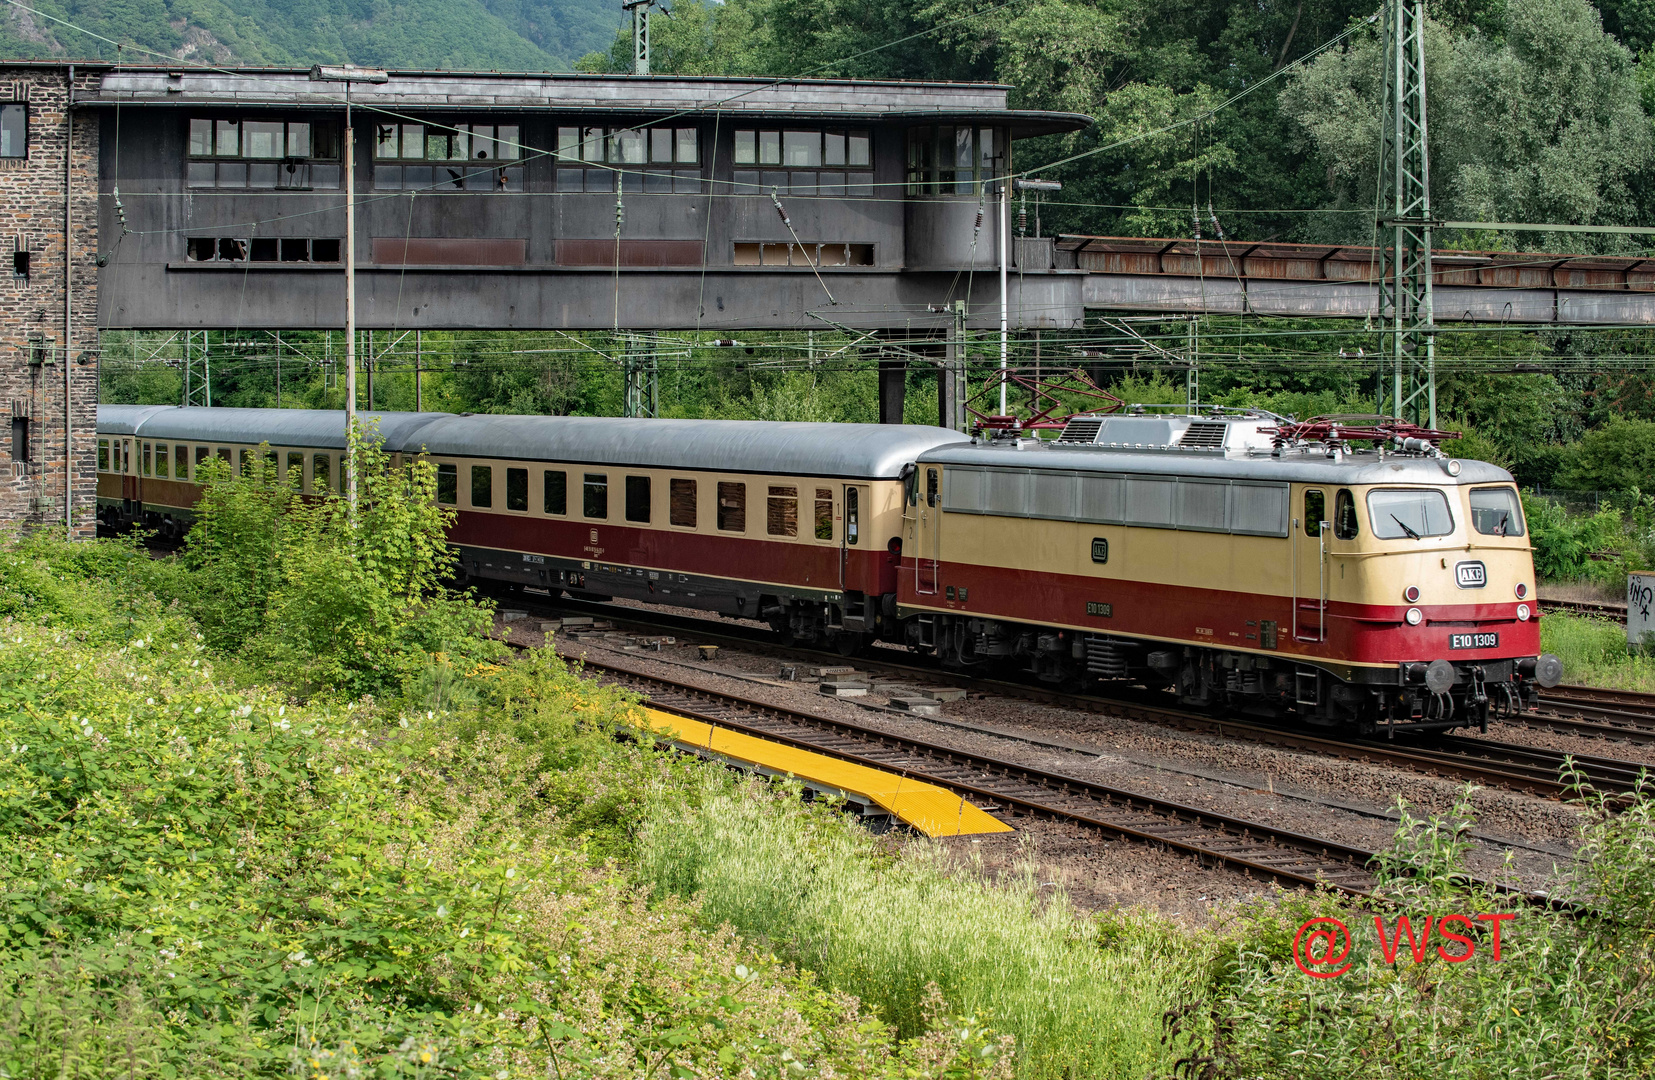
[14,130]
[20,438]
[447,157]
[249,152]
[833,162]
[658,160]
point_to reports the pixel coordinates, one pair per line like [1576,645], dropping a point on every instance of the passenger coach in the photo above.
[792,523]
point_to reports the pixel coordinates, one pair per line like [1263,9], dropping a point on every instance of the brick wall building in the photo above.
[48,296]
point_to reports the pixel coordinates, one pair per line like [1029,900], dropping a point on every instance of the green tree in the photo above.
[1542,123]
[1617,457]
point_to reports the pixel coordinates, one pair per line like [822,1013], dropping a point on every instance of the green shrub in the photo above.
[1619,456]
[1564,544]
[322,595]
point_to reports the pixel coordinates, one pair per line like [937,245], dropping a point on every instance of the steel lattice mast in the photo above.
[1407,383]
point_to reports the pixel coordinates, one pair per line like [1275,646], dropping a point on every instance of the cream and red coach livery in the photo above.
[1244,568]
[792,523]
[1356,587]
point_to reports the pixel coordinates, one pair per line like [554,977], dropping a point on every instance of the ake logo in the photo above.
[1470,575]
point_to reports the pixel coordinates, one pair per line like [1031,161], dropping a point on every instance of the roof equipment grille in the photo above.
[1204,435]
[1082,429]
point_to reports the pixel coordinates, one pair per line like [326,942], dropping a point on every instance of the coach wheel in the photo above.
[783,626]
[849,643]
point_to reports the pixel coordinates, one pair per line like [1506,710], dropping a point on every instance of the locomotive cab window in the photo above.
[732,507]
[517,489]
[1344,515]
[1496,511]
[448,482]
[637,499]
[595,495]
[482,485]
[1315,510]
[1408,513]
[556,492]
[932,487]
[824,513]
[681,503]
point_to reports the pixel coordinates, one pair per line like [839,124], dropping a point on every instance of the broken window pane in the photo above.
[265,248]
[436,146]
[232,250]
[482,142]
[385,140]
[626,148]
[591,144]
[294,250]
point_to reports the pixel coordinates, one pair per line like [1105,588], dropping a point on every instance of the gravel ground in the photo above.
[1352,802]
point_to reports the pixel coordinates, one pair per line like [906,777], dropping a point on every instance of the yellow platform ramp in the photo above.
[932,810]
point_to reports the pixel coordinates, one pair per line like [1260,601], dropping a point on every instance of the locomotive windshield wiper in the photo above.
[1412,535]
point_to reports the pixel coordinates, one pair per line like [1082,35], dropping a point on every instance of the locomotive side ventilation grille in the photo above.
[1203,435]
[1082,429]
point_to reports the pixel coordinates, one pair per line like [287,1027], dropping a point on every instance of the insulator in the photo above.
[779,211]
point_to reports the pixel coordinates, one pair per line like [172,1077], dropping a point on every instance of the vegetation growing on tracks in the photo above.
[1593,651]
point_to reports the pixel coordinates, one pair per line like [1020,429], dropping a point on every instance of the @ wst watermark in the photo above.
[1322,947]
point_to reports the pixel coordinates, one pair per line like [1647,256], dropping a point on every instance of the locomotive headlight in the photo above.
[1522,591]
[1411,593]
[1522,613]
[1414,616]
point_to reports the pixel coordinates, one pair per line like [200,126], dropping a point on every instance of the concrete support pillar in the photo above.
[893,385]
[951,380]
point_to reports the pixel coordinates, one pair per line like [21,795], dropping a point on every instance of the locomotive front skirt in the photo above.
[1357,588]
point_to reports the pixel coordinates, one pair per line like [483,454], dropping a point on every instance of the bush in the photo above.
[322,596]
[1619,456]
[207,881]
[1565,544]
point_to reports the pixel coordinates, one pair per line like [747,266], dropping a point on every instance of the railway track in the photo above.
[1012,790]
[1625,715]
[1585,607]
[1527,769]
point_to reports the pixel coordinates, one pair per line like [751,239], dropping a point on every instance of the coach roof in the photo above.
[867,451]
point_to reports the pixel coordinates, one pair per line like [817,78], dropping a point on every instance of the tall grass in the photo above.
[1594,653]
[1080,1003]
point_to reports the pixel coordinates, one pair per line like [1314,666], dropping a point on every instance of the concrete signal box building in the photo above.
[195,199]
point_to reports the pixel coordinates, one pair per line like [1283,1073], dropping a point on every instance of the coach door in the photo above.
[850,537]
[929,535]
[1311,528]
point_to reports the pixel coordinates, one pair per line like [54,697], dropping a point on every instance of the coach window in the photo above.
[824,513]
[103,455]
[595,495]
[1315,509]
[14,130]
[161,455]
[296,468]
[556,493]
[637,499]
[732,506]
[321,474]
[482,485]
[853,523]
[517,489]
[448,484]
[1344,515]
[146,459]
[181,461]
[781,514]
[681,503]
